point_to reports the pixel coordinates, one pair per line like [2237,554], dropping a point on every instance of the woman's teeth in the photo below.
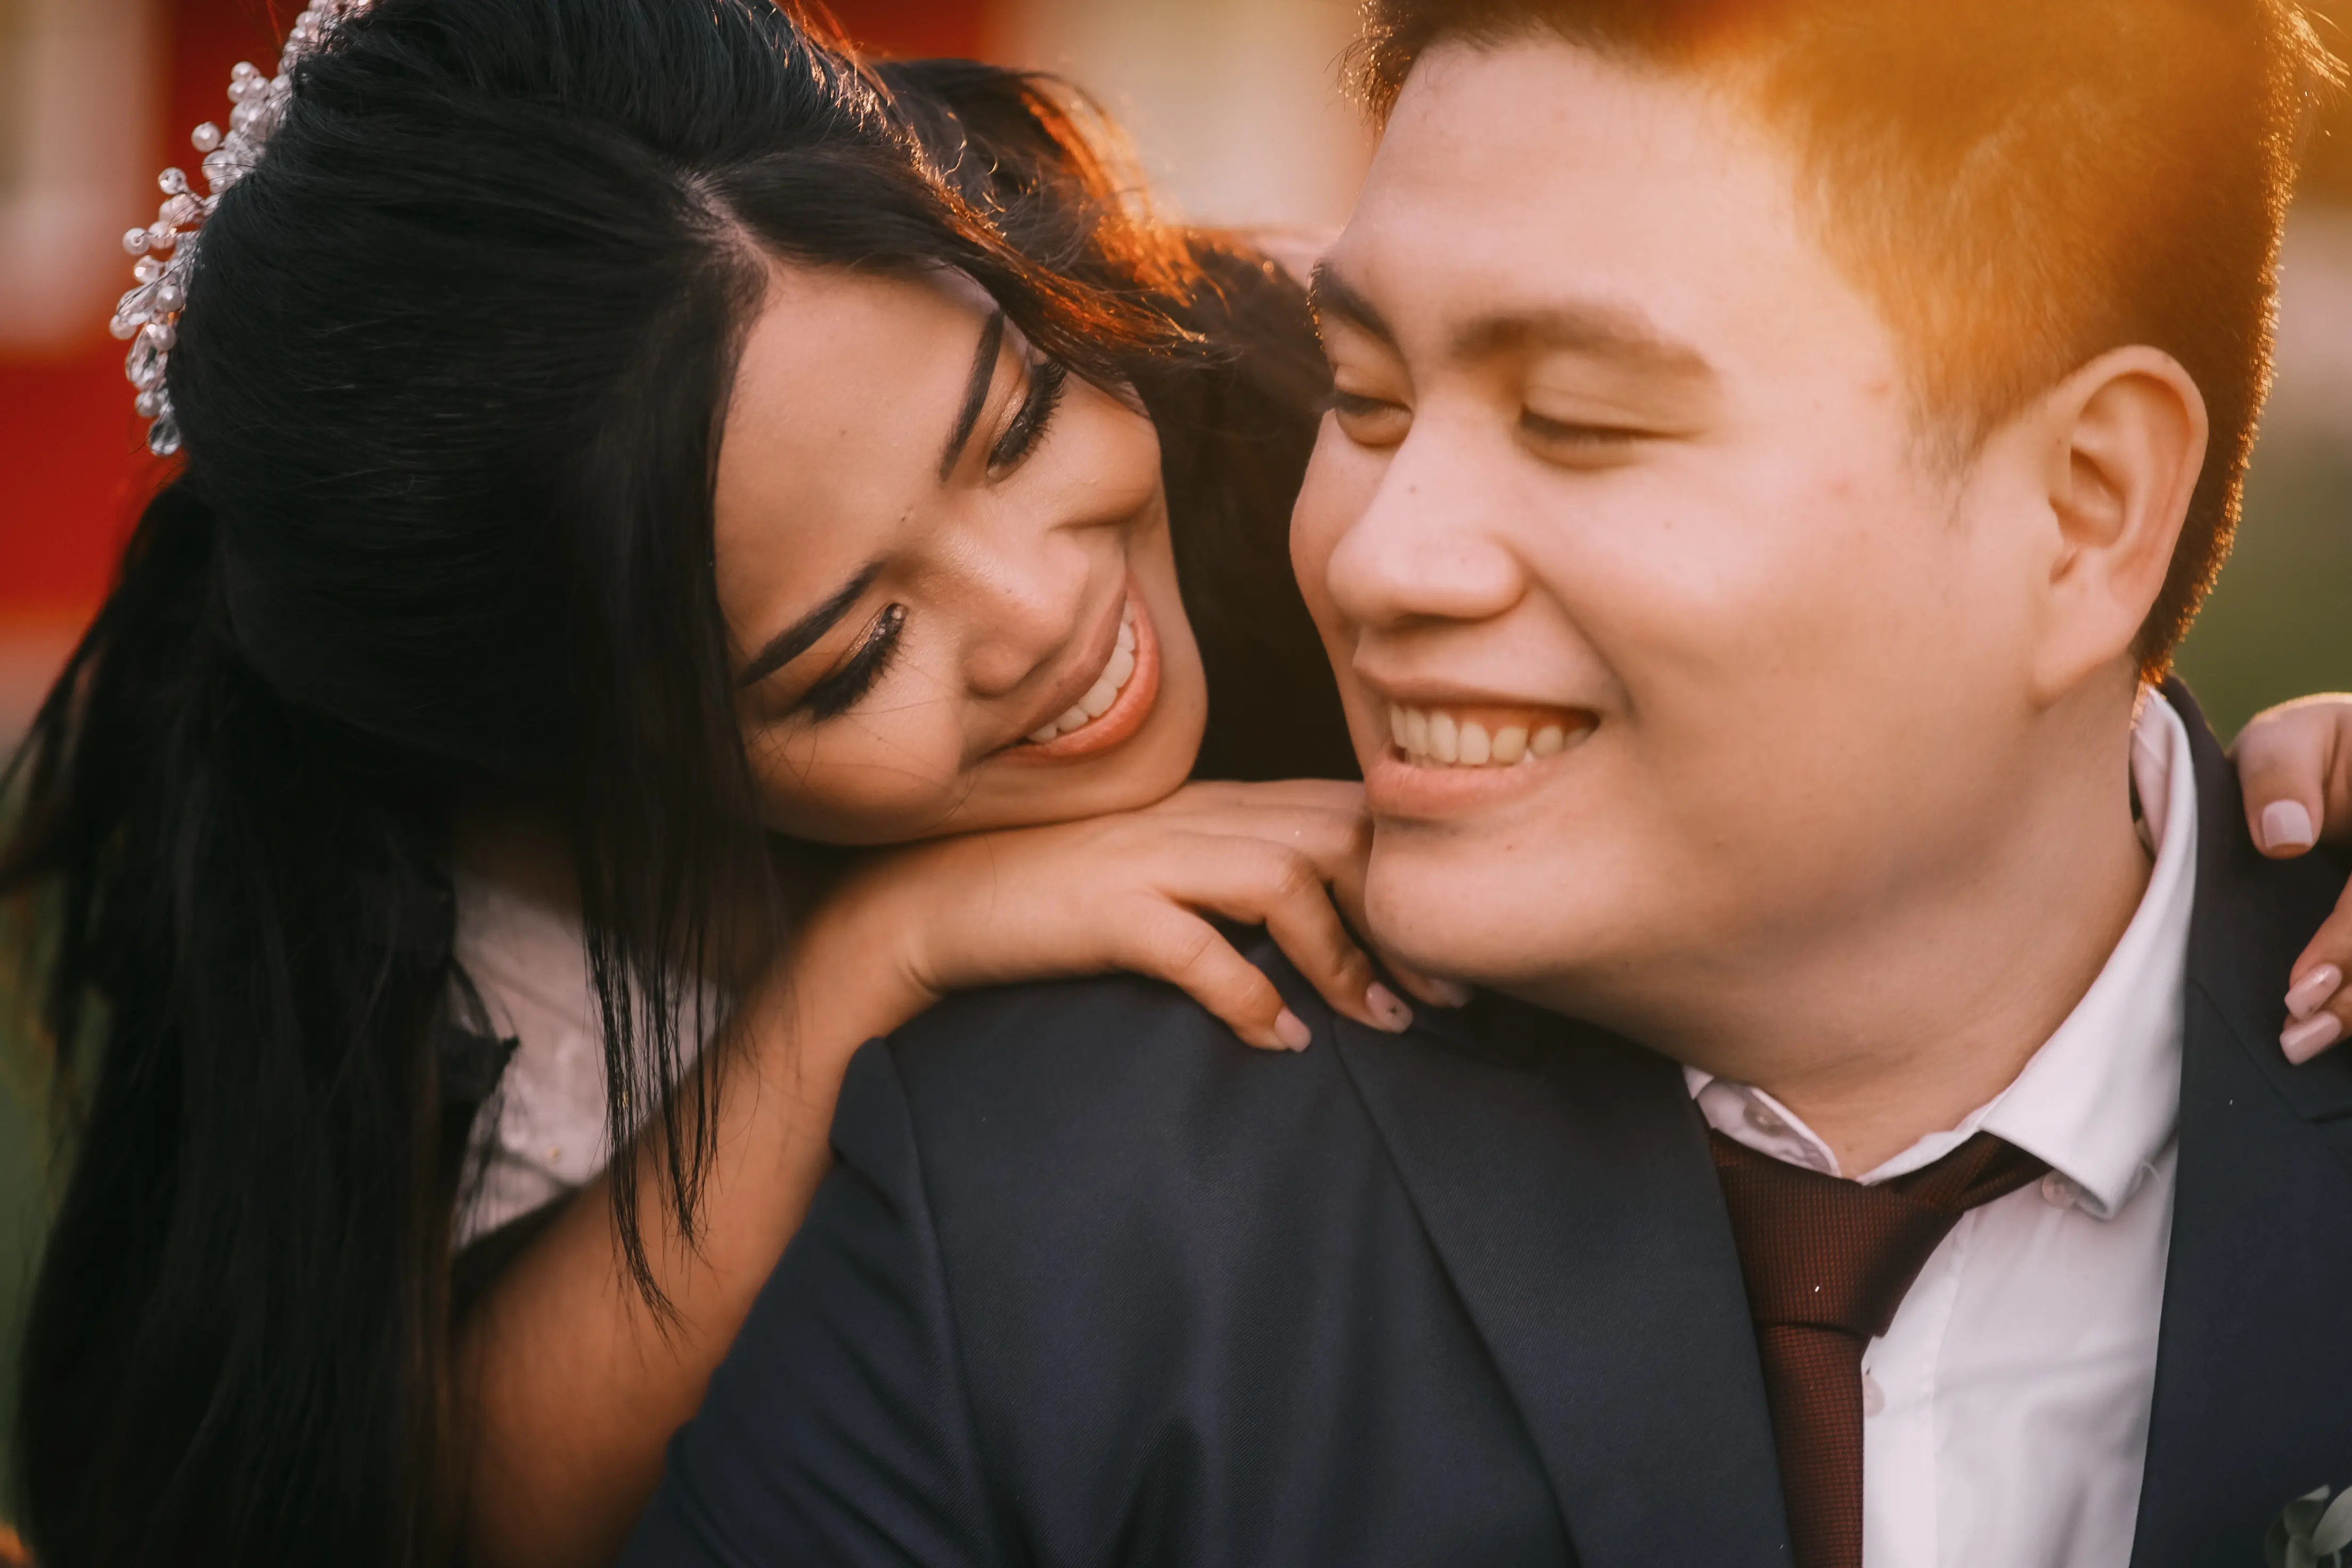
[1431,737]
[1104,693]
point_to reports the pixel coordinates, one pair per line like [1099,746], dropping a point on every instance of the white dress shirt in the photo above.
[2006,1410]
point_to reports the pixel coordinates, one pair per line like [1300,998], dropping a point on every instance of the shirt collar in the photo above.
[2100,1100]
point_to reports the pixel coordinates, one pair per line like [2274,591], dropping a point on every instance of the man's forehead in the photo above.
[1536,194]
[1520,131]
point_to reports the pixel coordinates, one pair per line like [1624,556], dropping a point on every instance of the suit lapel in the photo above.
[1565,1184]
[2253,1389]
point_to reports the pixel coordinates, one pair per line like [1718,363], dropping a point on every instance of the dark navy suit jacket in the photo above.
[1093,1284]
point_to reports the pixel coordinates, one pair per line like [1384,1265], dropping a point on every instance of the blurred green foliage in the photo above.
[2278,628]
[2280,624]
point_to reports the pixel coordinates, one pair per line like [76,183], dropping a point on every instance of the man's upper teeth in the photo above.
[1431,736]
[1105,691]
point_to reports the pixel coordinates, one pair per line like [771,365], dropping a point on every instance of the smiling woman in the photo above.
[744,454]
[1001,532]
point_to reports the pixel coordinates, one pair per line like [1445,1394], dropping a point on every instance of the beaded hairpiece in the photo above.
[151,311]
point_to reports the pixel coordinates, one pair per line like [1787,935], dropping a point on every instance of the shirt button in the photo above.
[1760,1117]
[1874,1398]
[2060,1193]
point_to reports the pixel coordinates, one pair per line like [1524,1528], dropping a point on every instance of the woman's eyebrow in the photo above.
[803,634]
[975,395]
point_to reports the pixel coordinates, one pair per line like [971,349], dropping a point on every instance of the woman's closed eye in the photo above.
[856,676]
[862,671]
[1048,381]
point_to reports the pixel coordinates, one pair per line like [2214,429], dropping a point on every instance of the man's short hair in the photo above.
[2021,185]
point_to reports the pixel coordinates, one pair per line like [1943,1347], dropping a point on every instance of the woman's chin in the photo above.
[1151,765]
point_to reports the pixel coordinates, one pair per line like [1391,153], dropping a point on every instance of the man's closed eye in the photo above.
[1370,421]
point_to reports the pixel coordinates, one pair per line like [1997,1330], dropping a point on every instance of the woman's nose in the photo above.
[1029,603]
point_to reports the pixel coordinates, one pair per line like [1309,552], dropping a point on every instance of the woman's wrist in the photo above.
[851,970]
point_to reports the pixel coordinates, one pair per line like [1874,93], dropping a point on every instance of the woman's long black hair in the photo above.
[451,381]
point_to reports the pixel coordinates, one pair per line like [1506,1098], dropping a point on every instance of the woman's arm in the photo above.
[568,1386]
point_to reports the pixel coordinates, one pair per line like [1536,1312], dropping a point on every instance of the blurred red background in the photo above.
[75,454]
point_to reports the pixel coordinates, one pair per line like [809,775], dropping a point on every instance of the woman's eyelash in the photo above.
[847,687]
[1048,380]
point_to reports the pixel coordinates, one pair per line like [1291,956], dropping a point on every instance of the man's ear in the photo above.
[2126,444]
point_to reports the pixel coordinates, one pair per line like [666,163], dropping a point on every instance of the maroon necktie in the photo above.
[1828,1263]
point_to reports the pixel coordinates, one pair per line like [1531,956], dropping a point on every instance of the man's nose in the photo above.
[1429,546]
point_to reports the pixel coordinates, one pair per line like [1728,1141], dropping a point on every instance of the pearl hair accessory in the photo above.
[151,311]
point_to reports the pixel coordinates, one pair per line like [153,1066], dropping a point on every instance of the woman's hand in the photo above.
[2295,763]
[1137,892]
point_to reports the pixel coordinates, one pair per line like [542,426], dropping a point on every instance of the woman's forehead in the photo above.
[849,385]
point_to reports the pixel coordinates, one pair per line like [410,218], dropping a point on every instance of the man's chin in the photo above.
[1431,918]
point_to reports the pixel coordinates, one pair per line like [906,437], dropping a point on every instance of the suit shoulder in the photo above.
[1113,1099]
[1026,1060]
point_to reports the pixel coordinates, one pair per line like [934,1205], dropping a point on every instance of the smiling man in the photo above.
[1777,446]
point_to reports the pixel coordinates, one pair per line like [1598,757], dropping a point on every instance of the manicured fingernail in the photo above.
[1449,994]
[2311,1036]
[1292,1031]
[1389,1009]
[2312,991]
[2286,826]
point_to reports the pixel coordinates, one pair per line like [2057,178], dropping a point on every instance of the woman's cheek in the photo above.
[886,778]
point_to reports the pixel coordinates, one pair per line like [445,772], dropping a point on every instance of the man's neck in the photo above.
[1901,1016]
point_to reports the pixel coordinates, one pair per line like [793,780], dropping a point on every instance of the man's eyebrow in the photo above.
[803,634]
[1332,299]
[975,395]
[1602,331]
[1599,330]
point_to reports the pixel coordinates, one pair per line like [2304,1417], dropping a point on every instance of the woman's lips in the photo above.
[1116,707]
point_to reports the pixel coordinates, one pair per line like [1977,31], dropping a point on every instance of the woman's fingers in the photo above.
[2290,761]
[1329,823]
[1316,795]
[1335,833]
[1446,993]
[1276,854]
[1169,943]
[1284,891]
[2318,1004]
